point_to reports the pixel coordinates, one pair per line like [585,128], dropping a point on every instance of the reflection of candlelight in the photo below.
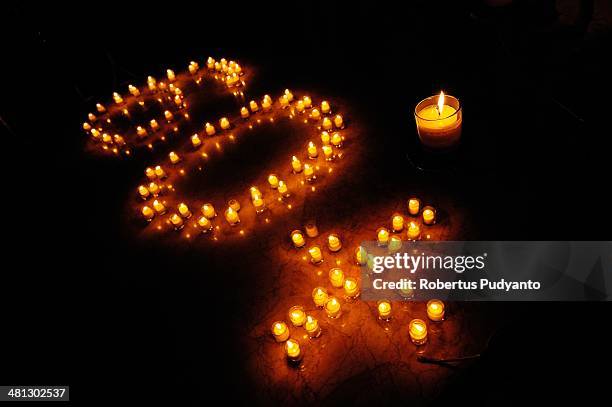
[414,231]
[418,331]
[319,296]
[384,310]
[292,349]
[333,308]
[280,331]
[429,215]
[333,242]
[297,316]
[312,327]
[232,216]
[336,277]
[414,205]
[315,255]
[397,222]
[351,288]
[297,238]
[435,310]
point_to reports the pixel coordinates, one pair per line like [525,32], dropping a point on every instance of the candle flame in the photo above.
[440,103]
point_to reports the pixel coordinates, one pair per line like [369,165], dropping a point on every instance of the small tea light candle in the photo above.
[184,210]
[117,98]
[328,152]
[307,102]
[196,141]
[315,114]
[429,215]
[337,140]
[384,310]
[144,192]
[177,221]
[312,327]
[224,123]
[296,165]
[298,239]
[174,157]
[438,120]
[266,102]
[280,331]
[336,277]
[418,331]
[293,351]
[299,106]
[435,310]
[159,207]
[338,121]
[297,316]
[231,216]
[361,255]
[351,288]
[210,63]
[289,95]
[159,171]
[168,115]
[205,224]
[273,181]
[309,172]
[140,131]
[148,213]
[171,75]
[382,236]
[414,231]
[253,106]
[325,108]
[414,206]
[154,125]
[193,67]
[311,230]
[395,243]
[150,173]
[244,113]
[333,307]
[134,90]
[284,101]
[209,211]
[100,108]
[327,123]
[397,222]
[153,188]
[282,188]
[325,139]
[209,129]
[319,296]
[333,242]
[316,256]
[234,204]
[258,203]
[312,151]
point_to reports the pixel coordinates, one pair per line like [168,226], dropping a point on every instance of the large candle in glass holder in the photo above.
[438,119]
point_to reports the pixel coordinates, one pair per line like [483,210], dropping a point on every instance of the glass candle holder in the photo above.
[382,236]
[429,215]
[361,255]
[296,165]
[312,327]
[273,181]
[296,315]
[205,224]
[282,189]
[231,216]
[384,310]
[414,206]
[338,121]
[319,296]
[438,119]
[336,277]
[208,210]
[293,351]
[298,238]
[333,307]
[144,192]
[435,310]
[280,331]
[417,330]
[184,210]
[333,243]
[395,243]
[337,140]
[177,221]
[311,229]
[316,257]
[397,222]
[309,173]
[147,213]
[159,207]
[312,150]
[414,231]
[351,288]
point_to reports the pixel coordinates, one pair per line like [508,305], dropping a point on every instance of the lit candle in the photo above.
[273,181]
[209,211]
[91,117]
[154,125]
[333,242]
[292,349]
[210,129]
[234,204]
[418,331]
[351,288]
[325,108]
[184,210]
[325,139]
[309,172]
[153,188]
[435,310]
[224,123]
[150,173]
[311,230]
[205,224]
[117,98]
[134,90]
[143,192]
[312,327]
[300,106]
[284,101]
[414,206]
[307,102]
[174,157]
[170,74]
[315,255]
[210,63]
[253,106]
[151,83]
[141,132]
[297,238]
[319,296]
[280,331]
[168,115]
[297,316]
[361,255]
[244,112]
[333,307]
[336,277]
[315,114]
[382,236]
[338,121]
[282,188]
[159,207]
[86,126]
[312,150]
[296,164]
[438,120]
[337,139]
[384,310]
[429,215]
[328,152]
[414,231]
[159,171]
[289,95]
[147,213]
[258,203]
[397,222]
[395,243]
[231,216]
[327,123]
[100,108]
[193,67]
[177,221]
[267,102]
[196,141]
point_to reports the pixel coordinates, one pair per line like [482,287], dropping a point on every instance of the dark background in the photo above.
[77,303]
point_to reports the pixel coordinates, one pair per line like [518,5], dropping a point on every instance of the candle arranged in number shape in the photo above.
[438,120]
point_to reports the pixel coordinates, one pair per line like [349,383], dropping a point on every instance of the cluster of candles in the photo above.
[392,238]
